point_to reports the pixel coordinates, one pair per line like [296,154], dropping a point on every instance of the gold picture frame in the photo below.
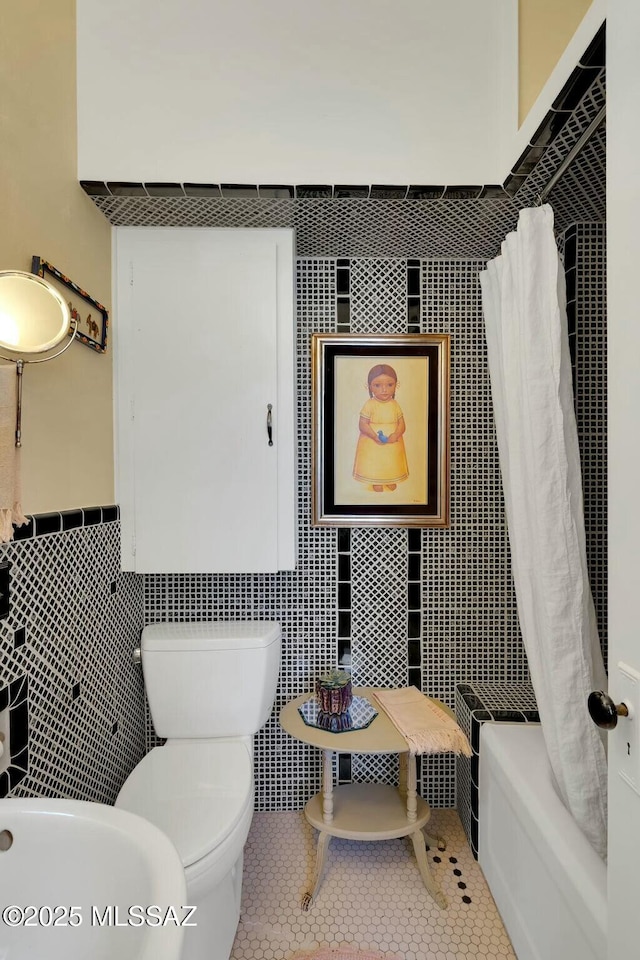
[380,430]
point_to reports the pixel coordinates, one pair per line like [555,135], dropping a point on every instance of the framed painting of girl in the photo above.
[381,430]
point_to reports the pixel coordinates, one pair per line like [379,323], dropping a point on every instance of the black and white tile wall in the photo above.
[430,607]
[71,699]
[586,271]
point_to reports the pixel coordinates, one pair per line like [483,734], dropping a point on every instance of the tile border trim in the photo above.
[41,524]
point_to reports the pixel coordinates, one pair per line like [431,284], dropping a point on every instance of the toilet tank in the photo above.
[210,680]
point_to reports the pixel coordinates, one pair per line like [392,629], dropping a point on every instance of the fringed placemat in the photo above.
[425,726]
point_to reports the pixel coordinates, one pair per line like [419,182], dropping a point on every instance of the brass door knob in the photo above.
[603,711]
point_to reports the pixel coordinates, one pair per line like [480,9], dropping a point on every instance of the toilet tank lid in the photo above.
[218,635]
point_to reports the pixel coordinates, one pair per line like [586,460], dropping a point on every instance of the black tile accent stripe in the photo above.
[48,523]
[414,302]
[493,191]
[414,538]
[41,524]
[239,190]
[344,767]
[71,519]
[462,192]
[512,184]
[343,309]
[314,191]
[276,191]
[381,192]
[344,567]
[549,128]
[98,188]
[26,531]
[344,540]
[343,296]
[595,55]
[95,188]
[202,190]
[527,160]
[360,192]
[121,189]
[344,611]
[417,192]
[575,88]
[164,189]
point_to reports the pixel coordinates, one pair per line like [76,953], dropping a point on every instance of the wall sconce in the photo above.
[34,321]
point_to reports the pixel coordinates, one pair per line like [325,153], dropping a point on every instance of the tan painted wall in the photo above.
[545,28]
[67,419]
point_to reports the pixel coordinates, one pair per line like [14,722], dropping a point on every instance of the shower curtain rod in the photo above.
[573,153]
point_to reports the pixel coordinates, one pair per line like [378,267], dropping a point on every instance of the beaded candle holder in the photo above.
[334,692]
[359,715]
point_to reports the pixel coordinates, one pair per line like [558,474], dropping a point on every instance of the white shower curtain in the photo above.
[523,295]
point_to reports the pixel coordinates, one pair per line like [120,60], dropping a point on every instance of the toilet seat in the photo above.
[198,792]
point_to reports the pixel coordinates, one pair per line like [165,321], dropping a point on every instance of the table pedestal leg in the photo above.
[321,854]
[327,786]
[423,865]
[434,841]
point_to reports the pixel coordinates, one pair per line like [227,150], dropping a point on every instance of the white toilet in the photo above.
[210,687]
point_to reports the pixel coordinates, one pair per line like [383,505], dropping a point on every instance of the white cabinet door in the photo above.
[203,333]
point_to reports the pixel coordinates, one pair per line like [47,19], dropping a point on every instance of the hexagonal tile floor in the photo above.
[372,896]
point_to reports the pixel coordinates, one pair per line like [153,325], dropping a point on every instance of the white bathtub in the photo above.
[549,885]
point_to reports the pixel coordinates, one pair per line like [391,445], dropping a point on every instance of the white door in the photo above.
[623,214]
[198,353]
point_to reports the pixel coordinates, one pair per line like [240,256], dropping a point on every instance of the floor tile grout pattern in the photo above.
[371,898]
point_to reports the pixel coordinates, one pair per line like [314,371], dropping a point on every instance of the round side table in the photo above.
[364,811]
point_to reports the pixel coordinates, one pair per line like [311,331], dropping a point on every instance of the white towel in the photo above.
[424,725]
[10,481]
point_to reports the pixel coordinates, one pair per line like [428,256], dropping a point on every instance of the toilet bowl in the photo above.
[199,788]
[200,794]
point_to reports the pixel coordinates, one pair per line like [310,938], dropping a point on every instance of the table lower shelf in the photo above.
[371,811]
[367,811]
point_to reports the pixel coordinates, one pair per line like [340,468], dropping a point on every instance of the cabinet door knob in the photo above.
[603,711]
[270,424]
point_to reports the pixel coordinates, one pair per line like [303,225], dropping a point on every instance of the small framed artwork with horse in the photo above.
[91,317]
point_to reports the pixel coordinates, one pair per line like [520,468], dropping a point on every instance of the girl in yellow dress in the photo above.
[381,460]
